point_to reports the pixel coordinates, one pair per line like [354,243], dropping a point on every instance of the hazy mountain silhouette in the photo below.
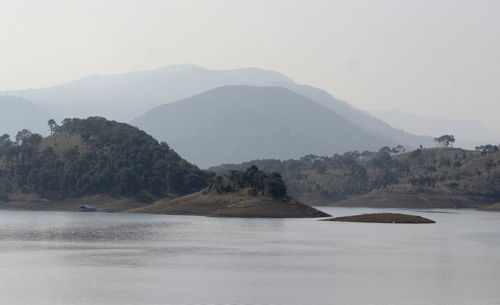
[361,118]
[17,113]
[468,133]
[125,96]
[241,123]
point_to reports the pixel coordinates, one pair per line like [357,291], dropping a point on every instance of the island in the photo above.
[250,193]
[382,218]
[232,205]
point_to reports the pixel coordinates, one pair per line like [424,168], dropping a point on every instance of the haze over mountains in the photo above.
[131,95]
[135,93]
[360,117]
[238,123]
[469,133]
[17,113]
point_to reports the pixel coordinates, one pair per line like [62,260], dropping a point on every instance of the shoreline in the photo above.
[105,203]
[194,205]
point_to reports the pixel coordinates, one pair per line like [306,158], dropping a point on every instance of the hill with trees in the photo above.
[117,167]
[436,177]
[249,193]
[94,156]
[240,123]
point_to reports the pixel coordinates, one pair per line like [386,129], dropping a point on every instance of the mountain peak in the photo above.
[240,123]
[180,68]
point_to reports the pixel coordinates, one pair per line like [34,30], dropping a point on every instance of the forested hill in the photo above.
[436,177]
[94,156]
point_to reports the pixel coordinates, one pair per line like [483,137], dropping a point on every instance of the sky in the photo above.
[427,57]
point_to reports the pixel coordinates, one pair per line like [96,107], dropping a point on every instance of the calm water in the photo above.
[93,258]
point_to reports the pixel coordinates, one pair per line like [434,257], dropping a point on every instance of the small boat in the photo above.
[87,208]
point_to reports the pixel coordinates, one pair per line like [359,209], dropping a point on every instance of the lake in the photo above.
[104,258]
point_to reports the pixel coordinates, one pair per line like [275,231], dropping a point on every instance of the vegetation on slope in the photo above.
[438,173]
[255,181]
[94,156]
[250,193]
[115,166]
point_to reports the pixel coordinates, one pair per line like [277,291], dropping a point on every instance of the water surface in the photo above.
[96,258]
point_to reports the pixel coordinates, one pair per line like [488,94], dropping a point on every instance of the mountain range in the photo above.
[132,96]
[135,93]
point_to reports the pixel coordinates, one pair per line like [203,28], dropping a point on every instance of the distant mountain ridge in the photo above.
[361,118]
[17,113]
[469,133]
[240,123]
[136,93]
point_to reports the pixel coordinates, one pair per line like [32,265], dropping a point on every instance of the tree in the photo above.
[487,149]
[52,126]
[22,136]
[275,187]
[253,180]
[382,160]
[445,140]
[451,140]
[489,165]
[5,144]
[398,149]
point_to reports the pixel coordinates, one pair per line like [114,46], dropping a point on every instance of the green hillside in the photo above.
[94,156]
[446,177]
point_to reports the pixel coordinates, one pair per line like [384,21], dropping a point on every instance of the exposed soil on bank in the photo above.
[410,200]
[232,205]
[492,207]
[383,218]
[102,203]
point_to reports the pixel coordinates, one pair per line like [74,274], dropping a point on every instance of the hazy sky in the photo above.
[439,57]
